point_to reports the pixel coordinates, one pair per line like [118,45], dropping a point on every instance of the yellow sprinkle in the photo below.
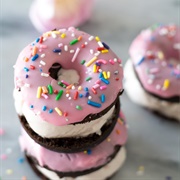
[44,89]
[120,121]
[104,74]
[160,55]
[141,168]
[108,74]
[94,68]
[39,91]
[63,35]
[58,111]
[97,38]
[91,61]
[9,171]
[80,88]
[166,83]
[56,32]
[85,152]
[104,51]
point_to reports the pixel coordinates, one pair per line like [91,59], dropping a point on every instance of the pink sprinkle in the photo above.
[154,70]
[119,61]
[3,156]
[103,87]
[60,45]
[75,54]
[43,46]
[44,95]
[102,61]
[98,81]
[96,86]
[176,71]
[111,61]
[1,131]
[64,82]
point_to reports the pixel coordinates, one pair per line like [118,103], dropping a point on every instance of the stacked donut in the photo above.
[67,87]
[152,75]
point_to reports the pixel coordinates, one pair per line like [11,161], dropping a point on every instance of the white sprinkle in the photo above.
[97,53]
[100,70]
[60,45]
[91,51]
[66,48]
[54,35]
[59,54]
[100,44]
[44,39]
[73,87]
[67,95]
[158,86]
[72,34]
[69,98]
[43,55]
[91,38]
[75,54]
[27,85]
[43,63]
[154,70]
[14,66]
[86,43]
[45,74]
[89,97]
[115,59]
[40,66]
[150,81]
[120,65]
[67,119]
[176,46]
[163,31]
[71,51]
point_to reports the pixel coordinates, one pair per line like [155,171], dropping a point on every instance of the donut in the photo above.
[46,15]
[152,74]
[67,87]
[101,161]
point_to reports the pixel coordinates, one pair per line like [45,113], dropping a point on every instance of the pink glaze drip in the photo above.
[76,161]
[156,57]
[39,76]
[74,15]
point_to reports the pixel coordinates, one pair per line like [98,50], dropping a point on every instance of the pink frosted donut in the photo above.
[102,160]
[156,62]
[67,84]
[50,14]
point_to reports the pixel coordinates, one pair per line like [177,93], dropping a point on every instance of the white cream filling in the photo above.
[100,174]
[45,129]
[138,95]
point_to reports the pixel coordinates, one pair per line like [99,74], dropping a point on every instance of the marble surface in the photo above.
[154,142]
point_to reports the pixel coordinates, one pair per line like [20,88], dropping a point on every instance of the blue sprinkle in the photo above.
[95,104]
[31,106]
[104,80]
[86,94]
[89,152]
[50,111]
[98,64]
[40,70]
[37,40]
[103,98]
[26,69]
[27,75]
[86,89]
[80,95]
[21,160]
[140,61]
[44,108]
[34,57]
[105,45]
[152,39]
[178,76]
[56,50]
[100,75]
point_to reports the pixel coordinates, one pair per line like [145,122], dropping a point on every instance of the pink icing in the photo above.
[34,69]
[155,54]
[73,16]
[76,161]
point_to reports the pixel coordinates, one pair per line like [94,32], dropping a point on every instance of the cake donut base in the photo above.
[138,95]
[103,173]
[71,145]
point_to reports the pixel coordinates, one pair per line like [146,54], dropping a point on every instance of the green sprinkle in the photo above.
[61,84]
[60,93]
[88,78]
[50,89]
[83,61]
[73,42]
[78,107]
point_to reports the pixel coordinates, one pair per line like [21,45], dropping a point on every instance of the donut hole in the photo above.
[54,69]
[58,73]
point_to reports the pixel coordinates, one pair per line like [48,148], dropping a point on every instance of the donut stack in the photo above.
[67,87]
